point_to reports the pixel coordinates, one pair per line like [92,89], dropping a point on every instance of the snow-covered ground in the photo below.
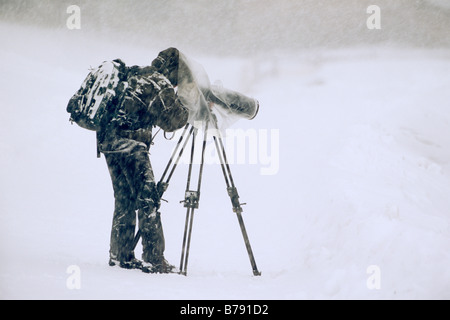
[347,182]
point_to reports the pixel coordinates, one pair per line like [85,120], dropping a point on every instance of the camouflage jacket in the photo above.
[148,99]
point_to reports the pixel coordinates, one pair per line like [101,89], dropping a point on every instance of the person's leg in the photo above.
[153,242]
[124,218]
[147,202]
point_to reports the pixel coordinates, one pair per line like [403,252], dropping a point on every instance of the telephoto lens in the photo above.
[233,102]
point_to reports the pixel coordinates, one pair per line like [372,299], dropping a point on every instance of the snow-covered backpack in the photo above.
[98,94]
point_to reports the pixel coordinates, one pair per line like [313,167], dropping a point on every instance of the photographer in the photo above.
[122,104]
[148,100]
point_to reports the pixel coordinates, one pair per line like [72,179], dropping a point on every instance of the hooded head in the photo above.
[167,64]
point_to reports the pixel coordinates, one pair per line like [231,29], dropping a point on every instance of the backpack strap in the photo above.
[98,144]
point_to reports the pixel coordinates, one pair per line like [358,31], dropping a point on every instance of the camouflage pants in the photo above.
[133,183]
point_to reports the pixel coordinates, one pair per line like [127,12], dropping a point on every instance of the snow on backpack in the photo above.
[98,94]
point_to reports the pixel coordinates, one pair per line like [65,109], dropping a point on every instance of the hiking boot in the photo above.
[158,266]
[132,264]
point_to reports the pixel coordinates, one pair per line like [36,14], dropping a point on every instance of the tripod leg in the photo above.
[136,238]
[182,137]
[191,201]
[186,237]
[232,192]
[247,245]
[188,244]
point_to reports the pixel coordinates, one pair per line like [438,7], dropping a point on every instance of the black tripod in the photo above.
[192,197]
